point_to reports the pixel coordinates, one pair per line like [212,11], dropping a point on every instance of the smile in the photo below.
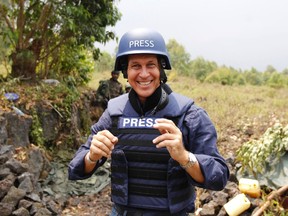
[144,83]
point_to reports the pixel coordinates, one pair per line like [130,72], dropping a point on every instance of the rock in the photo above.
[21,212]
[16,166]
[20,191]
[209,209]
[25,182]
[6,184]
[13,196]
[3,131]
[25,204]
[6,209]
[18,136]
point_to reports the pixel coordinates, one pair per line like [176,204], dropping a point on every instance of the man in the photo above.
[109,89]
[161,144]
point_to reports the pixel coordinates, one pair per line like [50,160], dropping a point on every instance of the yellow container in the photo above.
[250,187]
[237,205]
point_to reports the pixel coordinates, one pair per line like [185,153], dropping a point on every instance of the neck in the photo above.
[143,106]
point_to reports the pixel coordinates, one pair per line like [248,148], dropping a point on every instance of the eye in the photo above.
[151,65]
[135,66]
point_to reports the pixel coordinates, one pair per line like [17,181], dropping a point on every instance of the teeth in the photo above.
[144,83]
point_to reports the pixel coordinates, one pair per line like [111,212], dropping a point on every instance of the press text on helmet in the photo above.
[141,43]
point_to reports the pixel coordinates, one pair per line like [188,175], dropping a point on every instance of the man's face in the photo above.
[143,74]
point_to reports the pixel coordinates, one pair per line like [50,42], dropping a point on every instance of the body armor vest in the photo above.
[144,176]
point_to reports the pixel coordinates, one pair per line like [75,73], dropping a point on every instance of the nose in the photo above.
[144,72]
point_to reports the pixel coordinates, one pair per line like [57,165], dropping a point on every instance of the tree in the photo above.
[270,69]
[253,77]
[223,75]
[285,71]
[179,57]
[38,30]
[200,68]
[277,80]
[4,64]
[105,62]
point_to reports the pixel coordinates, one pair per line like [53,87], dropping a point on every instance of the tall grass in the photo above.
[238,112]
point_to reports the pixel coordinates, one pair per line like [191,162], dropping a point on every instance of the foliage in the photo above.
[39,31]
[179,57]
[222,75]
[62,97]
[105,62]
[209,71]
[253,77]
[270,69]
[285,71]
[277,80]
[200,68]
[4,62]
[254,155]
[75,62]
[36,132]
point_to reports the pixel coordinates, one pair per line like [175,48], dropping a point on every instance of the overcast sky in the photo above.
[238,33]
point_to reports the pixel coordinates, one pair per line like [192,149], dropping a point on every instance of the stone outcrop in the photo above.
[14,129]
[24,167]
[20,189]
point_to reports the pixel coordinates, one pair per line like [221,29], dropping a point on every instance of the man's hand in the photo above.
[102,145]
[171,138]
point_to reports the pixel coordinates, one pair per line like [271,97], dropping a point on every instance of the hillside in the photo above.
[240,113]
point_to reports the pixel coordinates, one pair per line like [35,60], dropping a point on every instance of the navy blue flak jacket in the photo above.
[143,176]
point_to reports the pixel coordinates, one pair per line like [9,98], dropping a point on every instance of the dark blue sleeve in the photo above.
[202,141]
[77,164]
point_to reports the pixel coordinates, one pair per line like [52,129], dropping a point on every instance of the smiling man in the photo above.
[161,144]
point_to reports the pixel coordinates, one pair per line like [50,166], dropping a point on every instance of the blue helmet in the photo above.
[141,41]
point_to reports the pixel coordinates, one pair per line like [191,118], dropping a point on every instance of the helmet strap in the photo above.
[124,66]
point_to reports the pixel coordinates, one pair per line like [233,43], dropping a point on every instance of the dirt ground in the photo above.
[96,205]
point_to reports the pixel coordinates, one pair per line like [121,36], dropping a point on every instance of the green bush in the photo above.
[254,155]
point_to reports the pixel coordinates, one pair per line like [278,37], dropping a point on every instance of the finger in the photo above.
[165,126]
[169,144]
[100,152]
[108,135]
[100,148]
[164,136]
[163,120]
[103,142]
